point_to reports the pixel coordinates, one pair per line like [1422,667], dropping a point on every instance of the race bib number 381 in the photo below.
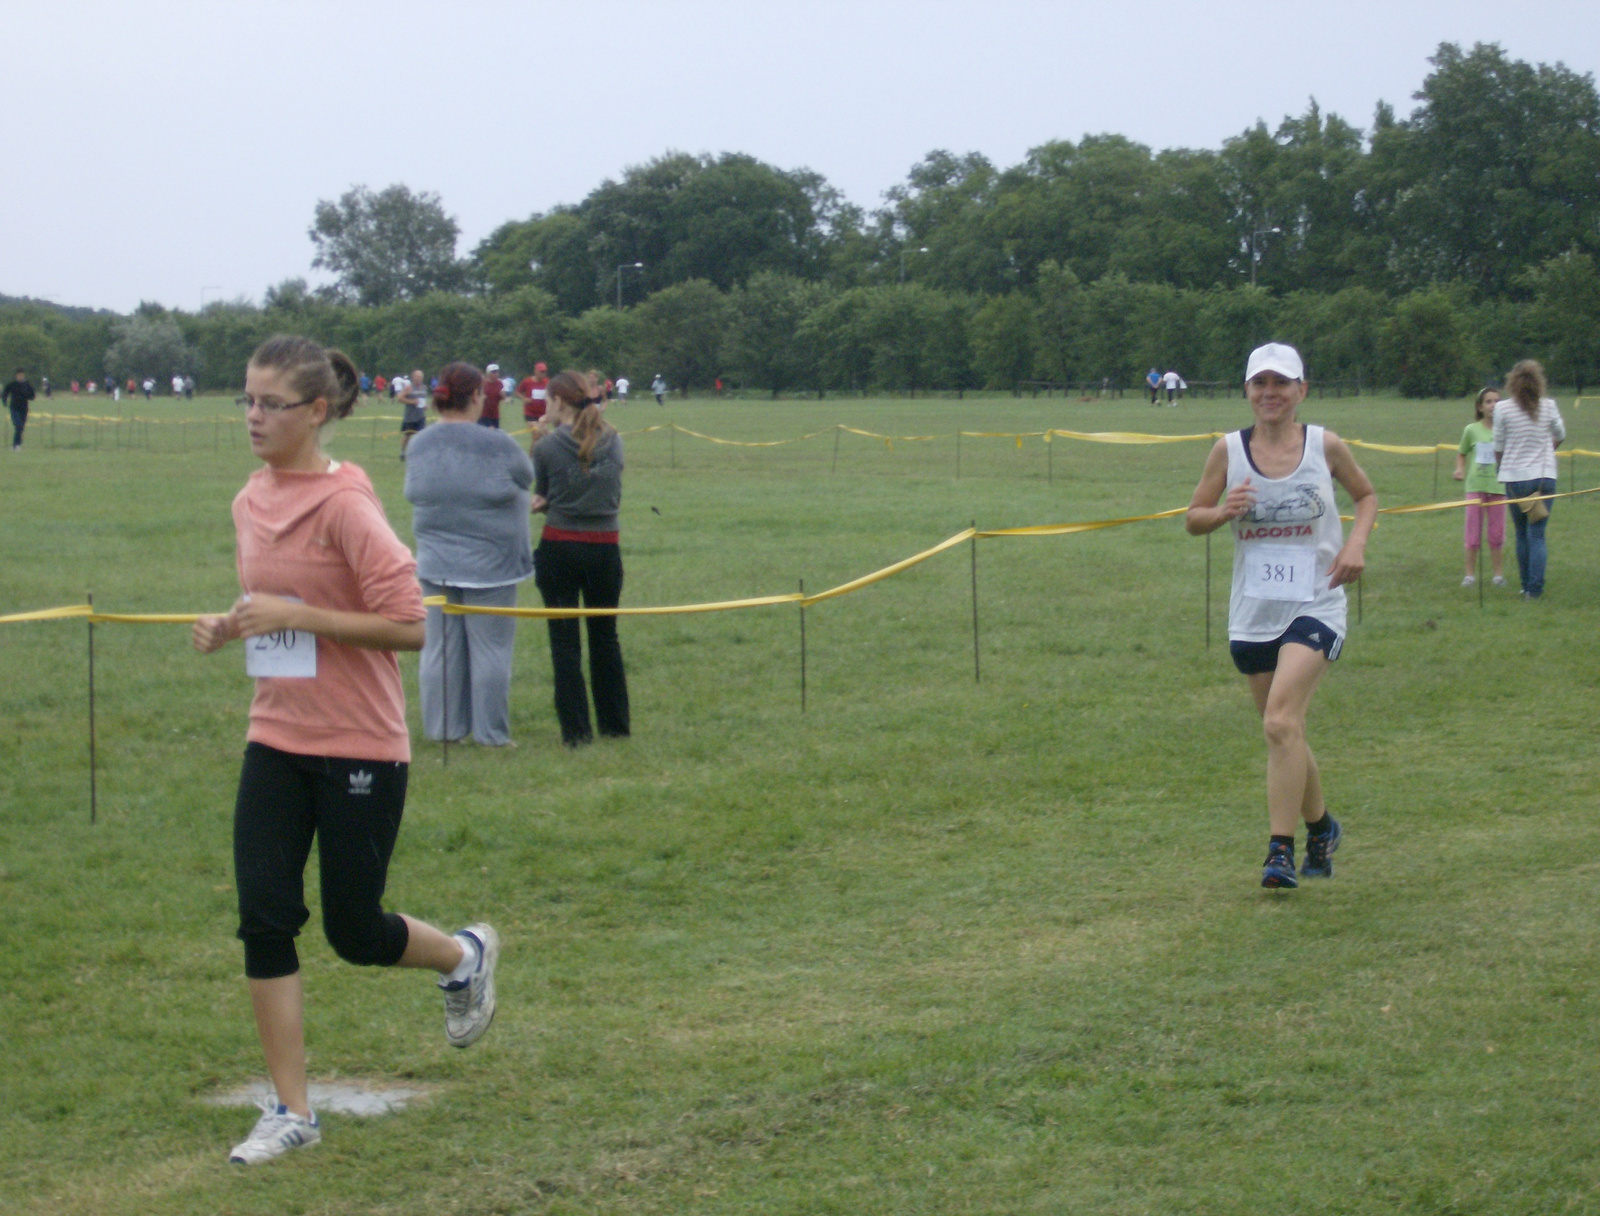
[290,653]
[1280,572]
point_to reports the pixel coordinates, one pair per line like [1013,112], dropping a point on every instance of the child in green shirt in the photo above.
[1475,464]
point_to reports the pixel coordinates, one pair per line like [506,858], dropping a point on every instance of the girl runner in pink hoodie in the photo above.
[329,595]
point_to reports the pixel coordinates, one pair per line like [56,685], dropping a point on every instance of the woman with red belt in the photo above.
[577,470]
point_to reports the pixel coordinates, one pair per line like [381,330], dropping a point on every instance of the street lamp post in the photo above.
[620,269]
[1253,254]
[903,252]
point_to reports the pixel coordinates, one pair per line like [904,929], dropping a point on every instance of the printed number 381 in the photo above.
[1277,572]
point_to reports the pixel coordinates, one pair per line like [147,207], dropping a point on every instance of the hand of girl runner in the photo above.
[212,633]
[254,615]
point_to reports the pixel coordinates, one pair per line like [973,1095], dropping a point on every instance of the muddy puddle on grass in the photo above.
[349,1097]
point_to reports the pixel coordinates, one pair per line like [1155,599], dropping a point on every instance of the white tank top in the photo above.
[1283,549]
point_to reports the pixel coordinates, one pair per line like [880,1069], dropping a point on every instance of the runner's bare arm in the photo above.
[1351,559]
[270,613]
[1205,513]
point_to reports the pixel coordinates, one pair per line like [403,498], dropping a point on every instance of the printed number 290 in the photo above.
[284,639]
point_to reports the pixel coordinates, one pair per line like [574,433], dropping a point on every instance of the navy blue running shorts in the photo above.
[1253,658]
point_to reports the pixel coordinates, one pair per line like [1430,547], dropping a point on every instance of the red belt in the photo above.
[588,538]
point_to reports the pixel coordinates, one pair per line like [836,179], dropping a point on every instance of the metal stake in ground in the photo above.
[1359,612]
[94,800]
[958,455]
[1050,460]
[673,431]
[837,431]
[444,672]
[977,671]
[802,648]
[1435,474]
[1208,591]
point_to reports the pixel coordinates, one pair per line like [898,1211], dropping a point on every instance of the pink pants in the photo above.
[1490,508]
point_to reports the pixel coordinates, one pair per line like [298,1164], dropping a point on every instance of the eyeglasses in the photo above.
[270,407]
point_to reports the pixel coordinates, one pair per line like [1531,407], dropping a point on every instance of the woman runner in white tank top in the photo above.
[1286,615]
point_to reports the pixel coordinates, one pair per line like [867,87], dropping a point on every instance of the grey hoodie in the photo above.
[580,500]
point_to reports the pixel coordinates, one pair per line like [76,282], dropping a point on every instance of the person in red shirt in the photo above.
[493,391]
[330,594]
[380,385]
[531,391]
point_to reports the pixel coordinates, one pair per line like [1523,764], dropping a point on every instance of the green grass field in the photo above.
[934,946]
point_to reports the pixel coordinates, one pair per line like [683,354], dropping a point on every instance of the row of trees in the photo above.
[1427,252]
[783,333]
[1496,171]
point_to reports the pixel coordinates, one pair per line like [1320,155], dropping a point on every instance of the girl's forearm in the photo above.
[365,629]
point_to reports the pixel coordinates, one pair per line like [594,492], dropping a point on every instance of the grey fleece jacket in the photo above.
[580,501]
[469,485]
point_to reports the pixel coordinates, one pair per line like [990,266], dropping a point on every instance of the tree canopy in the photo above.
[1428,250]
[393,245]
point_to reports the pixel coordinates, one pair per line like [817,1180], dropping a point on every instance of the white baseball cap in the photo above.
[493,367]
[1275,357]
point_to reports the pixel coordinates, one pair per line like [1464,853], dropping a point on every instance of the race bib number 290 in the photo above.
[1280,572]
[290,653]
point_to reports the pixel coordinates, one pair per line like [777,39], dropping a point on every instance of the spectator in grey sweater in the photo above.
[578,484]
[469,486]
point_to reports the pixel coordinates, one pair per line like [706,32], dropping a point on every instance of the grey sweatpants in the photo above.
[465,673]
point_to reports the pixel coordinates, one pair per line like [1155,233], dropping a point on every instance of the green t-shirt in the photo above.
[1477,445]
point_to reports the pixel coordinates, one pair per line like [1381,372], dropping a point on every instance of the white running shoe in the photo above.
[1469,580]
[1499,580]
[277,1131]
[469,1003]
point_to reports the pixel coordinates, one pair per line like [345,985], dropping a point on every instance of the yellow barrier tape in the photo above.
[47,614]
[1400,450]
[761,601]
[1019,436]
[744,443]
[1446,506]
[867,580]
[150,618]
[1132,436]
[886,438]
[84,611]
[1069,529]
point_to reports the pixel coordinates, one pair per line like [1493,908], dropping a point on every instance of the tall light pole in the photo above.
[903,252]
[620,269]
[1253,255]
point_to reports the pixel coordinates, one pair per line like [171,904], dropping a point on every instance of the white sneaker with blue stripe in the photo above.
[469,1003]
[277,1131]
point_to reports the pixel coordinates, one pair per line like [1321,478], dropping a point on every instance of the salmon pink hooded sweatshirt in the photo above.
[324,539]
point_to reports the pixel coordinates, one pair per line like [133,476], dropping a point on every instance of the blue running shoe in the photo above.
[1319,851]
[1279,870]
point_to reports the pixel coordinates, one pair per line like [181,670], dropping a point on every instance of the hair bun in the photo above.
[441,393]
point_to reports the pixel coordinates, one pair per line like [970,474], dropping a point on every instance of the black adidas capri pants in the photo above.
[352,808]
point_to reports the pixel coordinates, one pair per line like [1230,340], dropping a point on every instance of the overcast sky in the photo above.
[174,151]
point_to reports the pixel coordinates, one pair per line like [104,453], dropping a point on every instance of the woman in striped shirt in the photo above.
[1527,431]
